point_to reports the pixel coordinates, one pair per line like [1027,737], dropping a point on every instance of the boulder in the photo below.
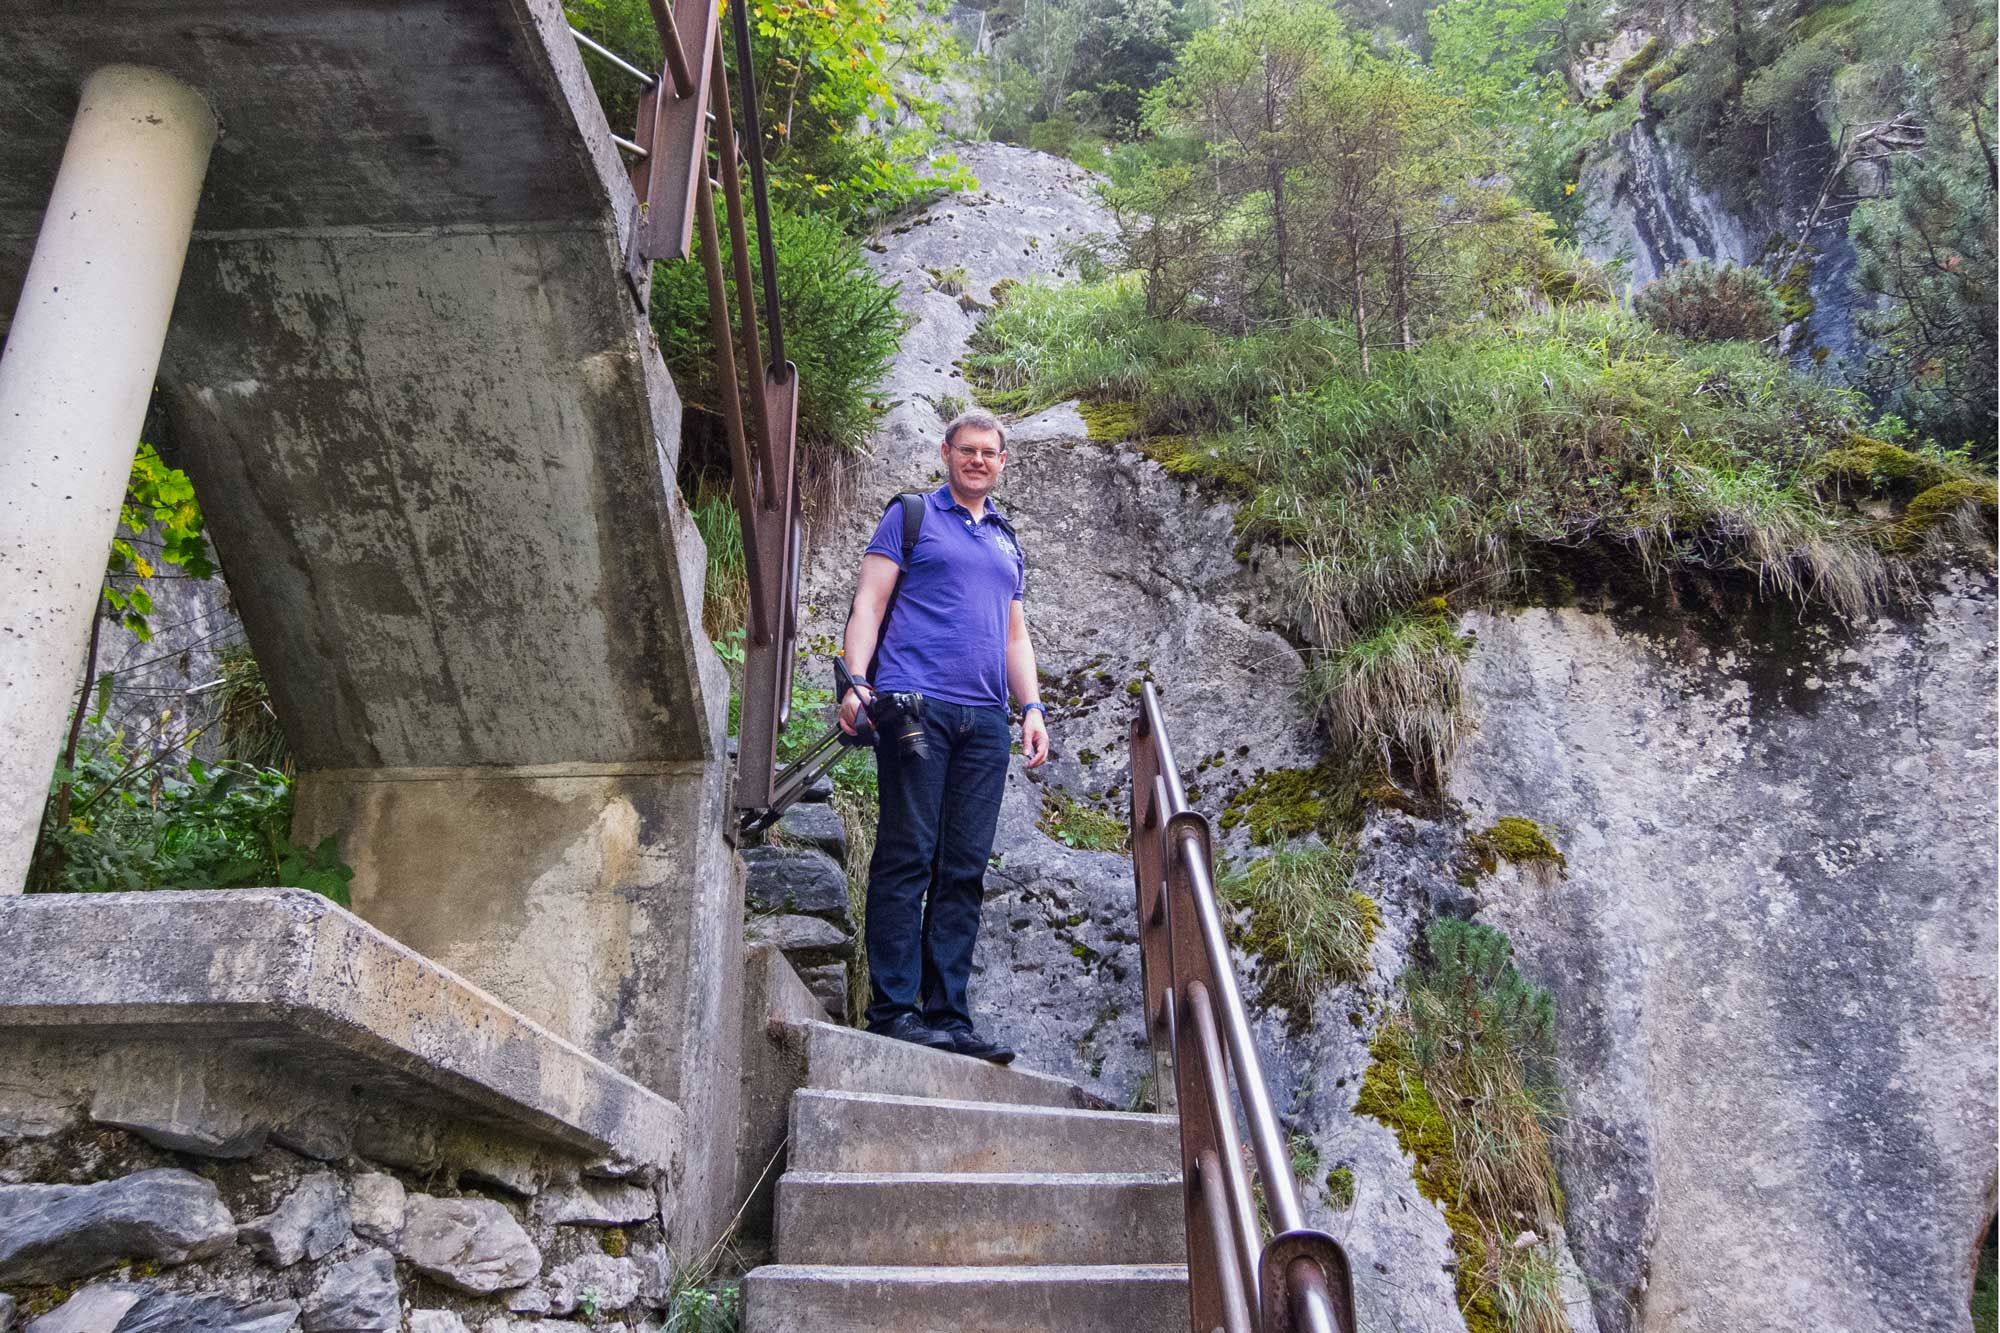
[375,1205]
[92,1310]
[805,940]
[207,1312]
[778,879]
[600,1203]
[817,826]
[311,1223]
[828,982]
[436,1321]
[52,1233]
[474,1245]
[592,1283]
[357,1295]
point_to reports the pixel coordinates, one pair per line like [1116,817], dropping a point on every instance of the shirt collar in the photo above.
[942,498]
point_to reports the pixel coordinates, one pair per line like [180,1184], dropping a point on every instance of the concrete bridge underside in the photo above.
[436,446]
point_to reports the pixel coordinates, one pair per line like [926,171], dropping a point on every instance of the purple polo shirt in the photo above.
[946,635]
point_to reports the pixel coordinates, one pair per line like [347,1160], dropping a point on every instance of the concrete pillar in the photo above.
[74,382]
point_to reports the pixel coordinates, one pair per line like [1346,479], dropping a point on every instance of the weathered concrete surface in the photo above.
[1773,954]
[869,1131]
[1049,1298]
[436,446]
[287,976]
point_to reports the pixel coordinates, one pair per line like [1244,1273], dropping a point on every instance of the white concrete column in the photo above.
[74,381]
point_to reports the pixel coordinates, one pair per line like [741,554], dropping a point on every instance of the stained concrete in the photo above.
[436,445]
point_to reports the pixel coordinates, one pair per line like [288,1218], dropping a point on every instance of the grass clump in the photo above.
[725,603]
[1340,1187]
[1309,929]
[1464,1074]
[1074,824]
[1962,509]
[1399,686]
[1518,841]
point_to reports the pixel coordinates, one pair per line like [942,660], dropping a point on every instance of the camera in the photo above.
[899,717]
[896,714]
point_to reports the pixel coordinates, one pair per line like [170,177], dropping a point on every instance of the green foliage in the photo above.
[1073,73]
[1074,824]
[841,330]
[1464,1073]
[221,827]
[160,499]
[1398,687]
[823,70]
[1340,1188]
[1309,930]
[1699,299]
[1286,803]
[725,605]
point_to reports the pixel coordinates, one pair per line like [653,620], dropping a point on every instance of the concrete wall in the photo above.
[436,445]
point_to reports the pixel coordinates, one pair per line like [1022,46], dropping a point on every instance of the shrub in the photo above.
[1310,929]
[137,823]
[1712,302]
[841,328]
[1464,1073]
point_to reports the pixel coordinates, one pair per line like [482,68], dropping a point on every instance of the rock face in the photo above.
[1773,952]
[311,1223]
[1773,955]
[358,1295]
[474,1245]
[51,1233]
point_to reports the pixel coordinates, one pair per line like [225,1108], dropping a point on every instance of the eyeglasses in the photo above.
[968,453]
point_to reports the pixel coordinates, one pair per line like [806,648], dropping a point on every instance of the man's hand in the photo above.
[850,709]
[1034,739]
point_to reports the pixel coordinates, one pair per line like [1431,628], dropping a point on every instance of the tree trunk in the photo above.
[1360,306]
[1402,272]
[1274,177]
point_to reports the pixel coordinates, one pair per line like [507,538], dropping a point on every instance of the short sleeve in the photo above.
[888,538]
[1020,575]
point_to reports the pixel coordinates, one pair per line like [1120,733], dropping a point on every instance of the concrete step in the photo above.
[785,1298]
[921,1218]
[844,1059]
[872,1132]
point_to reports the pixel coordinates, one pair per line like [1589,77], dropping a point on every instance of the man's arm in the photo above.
[1023,683]
[864,625]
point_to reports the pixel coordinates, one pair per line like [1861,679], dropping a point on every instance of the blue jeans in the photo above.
[927,878]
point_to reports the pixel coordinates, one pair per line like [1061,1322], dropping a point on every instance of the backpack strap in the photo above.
[913,503]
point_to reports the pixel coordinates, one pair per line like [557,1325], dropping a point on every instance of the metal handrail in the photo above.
[685,119]
[1203,1051]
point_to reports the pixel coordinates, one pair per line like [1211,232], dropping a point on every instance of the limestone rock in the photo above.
[496,1162]
[474,1245]
[805,940]
[92,1310]
[436,1321]
[778,879]
[819,827]
[375,1204]
[8,1311]
[181,1312]
[52,1233]
[180,1101]
[528,1300]
[592,1282]
[357,1295]
[397,1141]
[599,1203]
[311,1223]
[828,981]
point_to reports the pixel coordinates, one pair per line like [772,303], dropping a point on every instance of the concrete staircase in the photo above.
[926,1192]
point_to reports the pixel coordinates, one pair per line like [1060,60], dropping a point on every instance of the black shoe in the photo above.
[968,1042]
[910,1028]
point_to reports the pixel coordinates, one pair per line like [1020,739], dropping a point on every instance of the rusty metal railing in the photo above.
[1206,1060]
[684,122]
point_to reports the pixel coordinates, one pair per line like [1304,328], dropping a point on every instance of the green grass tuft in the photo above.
[1308,928]
[1399,686]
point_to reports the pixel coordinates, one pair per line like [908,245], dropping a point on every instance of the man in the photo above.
[955,634]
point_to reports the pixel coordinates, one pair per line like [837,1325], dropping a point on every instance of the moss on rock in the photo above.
[1110,420]
[1290,803]
[1938,504]
[1517,840]
[1877,466]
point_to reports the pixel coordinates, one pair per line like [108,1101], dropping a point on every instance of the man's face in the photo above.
[973,460]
